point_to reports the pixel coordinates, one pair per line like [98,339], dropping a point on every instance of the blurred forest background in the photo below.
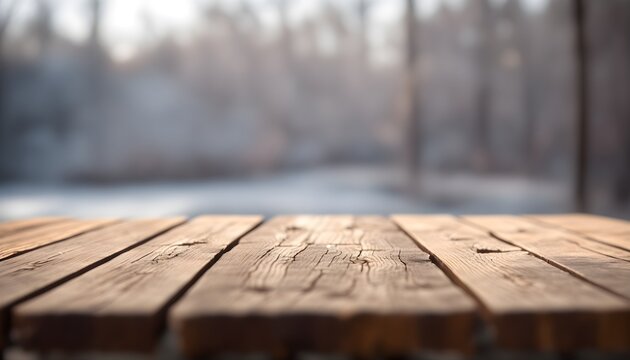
[411,105]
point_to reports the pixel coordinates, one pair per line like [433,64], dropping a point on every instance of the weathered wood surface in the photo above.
[33,272]
[529,303]
[342,284]
[120,305]
[21,241]
[345,284]
[602,229]
[12,226]
[603,265]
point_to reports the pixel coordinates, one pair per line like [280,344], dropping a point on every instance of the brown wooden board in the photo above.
[12,226]
[529,303]
[354,285]
[32,273]
[598,228]
[22,241]
[119,306]
[603,265]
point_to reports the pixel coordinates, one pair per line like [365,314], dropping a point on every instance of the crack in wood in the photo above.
[490,250]
[35,264]
[191,243]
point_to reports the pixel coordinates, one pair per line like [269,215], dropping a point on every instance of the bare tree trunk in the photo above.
[44,27]
[286,35]
[620,89]
[5,19]
[484,92]
[95,42]
[412,109]
[96,66]
[528,83]
[582,105]
[282,110]
[622,185]
[276,117]
[5,141]
[363,8]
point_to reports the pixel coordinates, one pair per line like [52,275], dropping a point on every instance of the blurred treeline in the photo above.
[495,83]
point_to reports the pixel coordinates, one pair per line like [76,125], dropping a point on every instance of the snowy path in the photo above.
[336,190]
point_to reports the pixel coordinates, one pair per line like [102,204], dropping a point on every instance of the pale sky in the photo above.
[125,20]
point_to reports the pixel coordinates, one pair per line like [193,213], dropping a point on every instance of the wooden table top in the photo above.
[358,285]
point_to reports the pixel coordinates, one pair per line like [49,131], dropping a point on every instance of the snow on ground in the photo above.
[357,190]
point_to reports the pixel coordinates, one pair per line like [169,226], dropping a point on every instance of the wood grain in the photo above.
[609,231]
[12,226]
[529,303]
[354,285]
[32,273]
[26,240]
[119,306]
[603,265]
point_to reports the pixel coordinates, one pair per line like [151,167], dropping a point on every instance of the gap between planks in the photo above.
[605,230]
[32,273]
[120,305]
[47,233]
[602,265]
[542,328]
[341,284]
[12,226]
[529,303]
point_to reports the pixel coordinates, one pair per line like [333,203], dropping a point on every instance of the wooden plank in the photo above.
[529,303]
[22,241]
[12,226]
[354,285]
[603,265]
[598,228]
[32,273]
[120,305]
